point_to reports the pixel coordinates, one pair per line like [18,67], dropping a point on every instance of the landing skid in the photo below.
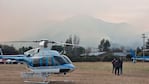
[27,76]
[32,82]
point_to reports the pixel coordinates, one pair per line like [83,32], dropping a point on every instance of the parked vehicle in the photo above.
[2,61]
[8,61]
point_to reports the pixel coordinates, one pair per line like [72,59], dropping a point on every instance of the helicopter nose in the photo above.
[67,68]
[70,66]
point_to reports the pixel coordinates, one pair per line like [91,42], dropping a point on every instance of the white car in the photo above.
[14,62]
[8,61]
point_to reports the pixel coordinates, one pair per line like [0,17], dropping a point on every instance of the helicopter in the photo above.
[134,57]
[42,62]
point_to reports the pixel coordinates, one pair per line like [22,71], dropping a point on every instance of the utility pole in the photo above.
[143,36]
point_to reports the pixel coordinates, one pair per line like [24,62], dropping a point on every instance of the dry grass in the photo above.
[100,72]
[86,73]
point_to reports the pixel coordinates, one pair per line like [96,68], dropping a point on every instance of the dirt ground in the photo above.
[85,73]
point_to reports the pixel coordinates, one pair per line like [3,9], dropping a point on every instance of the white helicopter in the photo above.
[43,61]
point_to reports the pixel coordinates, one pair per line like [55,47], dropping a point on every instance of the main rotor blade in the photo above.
[53,42]
[22,41]
[38,41]
[66,44]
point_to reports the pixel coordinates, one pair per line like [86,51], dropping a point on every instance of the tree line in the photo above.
[68,50]
[11,50]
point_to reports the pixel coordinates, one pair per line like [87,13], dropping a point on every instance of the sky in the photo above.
[20,19]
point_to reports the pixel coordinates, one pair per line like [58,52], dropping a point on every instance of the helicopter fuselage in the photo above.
[41,60]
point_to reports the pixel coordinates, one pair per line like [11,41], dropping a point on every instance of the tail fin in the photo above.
[132,53]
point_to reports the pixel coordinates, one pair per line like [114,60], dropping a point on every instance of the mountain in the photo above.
[90,30]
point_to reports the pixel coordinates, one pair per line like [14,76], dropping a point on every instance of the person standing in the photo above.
[121,66]
[113,64]
[117,66]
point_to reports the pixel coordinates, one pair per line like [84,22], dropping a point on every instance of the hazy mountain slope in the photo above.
[90,30]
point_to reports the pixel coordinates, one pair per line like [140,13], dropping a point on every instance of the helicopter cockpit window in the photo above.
[59,60]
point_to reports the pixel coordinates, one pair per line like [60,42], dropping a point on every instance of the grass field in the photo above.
[85,73]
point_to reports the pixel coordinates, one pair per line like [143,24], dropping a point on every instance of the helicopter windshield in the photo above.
[67,59]
[60,60]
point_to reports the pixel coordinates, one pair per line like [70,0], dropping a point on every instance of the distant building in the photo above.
[93,54]
[121,54]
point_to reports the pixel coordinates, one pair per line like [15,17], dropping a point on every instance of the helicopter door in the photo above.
[43,62]
[46,61]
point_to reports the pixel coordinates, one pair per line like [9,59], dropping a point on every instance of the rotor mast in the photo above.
[44,43]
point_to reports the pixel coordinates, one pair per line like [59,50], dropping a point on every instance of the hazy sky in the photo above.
[21,18]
